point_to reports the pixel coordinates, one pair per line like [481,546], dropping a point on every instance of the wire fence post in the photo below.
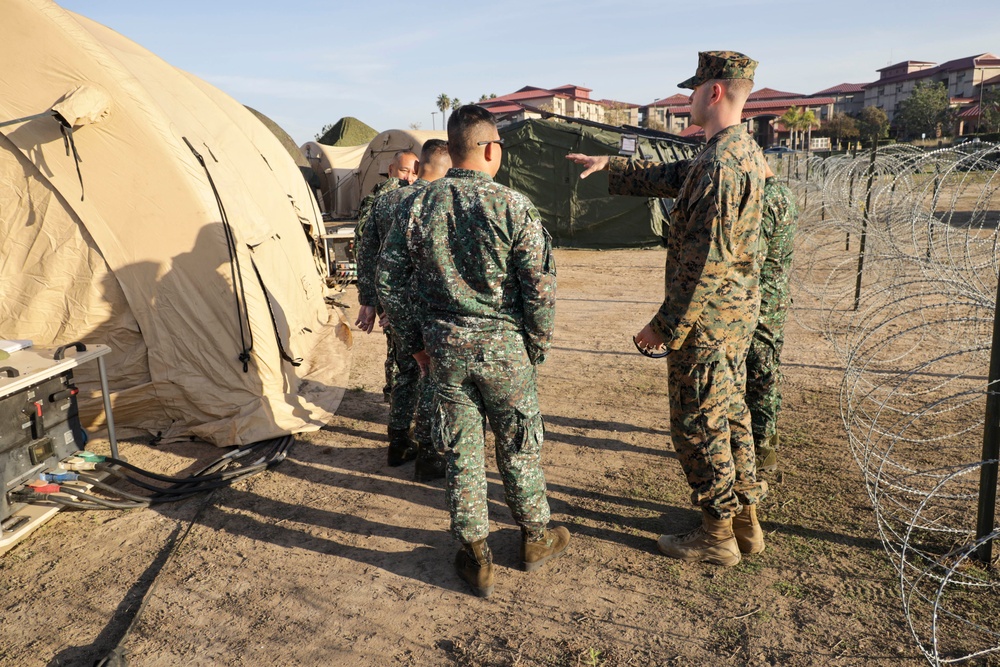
[864,226]
[991,449]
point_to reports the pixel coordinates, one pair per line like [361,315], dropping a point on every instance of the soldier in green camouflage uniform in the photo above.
[411,395]
[710,308]
[777,236]
[483,285]
[402,171]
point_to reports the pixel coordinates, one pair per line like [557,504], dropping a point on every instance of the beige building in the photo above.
[568,100]
[961,77]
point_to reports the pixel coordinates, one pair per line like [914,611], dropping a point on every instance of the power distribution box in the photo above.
[39,426]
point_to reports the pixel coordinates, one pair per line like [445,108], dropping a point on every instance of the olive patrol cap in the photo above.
[721,65]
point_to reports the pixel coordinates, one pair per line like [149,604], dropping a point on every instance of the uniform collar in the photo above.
[727,132]
[455,172]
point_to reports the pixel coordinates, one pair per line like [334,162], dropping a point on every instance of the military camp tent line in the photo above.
[150,259]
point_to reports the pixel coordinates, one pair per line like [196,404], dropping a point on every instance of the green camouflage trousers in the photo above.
[710,427]
[412,396]
[390,361]
[764,375]
[496,382]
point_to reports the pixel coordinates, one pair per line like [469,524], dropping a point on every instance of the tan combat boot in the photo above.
[536,550]
[747,530]
[712,542]
[474,563]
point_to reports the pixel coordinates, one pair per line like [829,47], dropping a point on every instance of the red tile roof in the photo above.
[842,88]
[971,112]
[770,94]
[679,99]
[692,131]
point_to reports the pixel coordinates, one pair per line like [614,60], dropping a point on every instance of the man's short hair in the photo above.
[468,125]
[737,90]
[399,154]
[432,148]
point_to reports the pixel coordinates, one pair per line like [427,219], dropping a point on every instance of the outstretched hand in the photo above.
[591,163]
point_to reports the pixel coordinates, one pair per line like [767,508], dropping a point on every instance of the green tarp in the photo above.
[580,213]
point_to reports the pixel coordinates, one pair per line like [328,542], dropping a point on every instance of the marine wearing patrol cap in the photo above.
[721,65]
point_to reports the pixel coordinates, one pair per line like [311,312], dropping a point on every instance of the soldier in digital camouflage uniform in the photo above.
[710,306]
[411,396]
[484,285]
[777,236]
[402,171]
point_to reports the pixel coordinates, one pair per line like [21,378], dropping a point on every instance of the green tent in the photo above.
[580,213]
[348,131]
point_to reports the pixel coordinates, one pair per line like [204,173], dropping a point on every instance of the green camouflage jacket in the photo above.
[711,292]
[481,266]
[387,208]
[777,236]
[365,209]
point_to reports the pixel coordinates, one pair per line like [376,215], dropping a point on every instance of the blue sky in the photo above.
[306,63]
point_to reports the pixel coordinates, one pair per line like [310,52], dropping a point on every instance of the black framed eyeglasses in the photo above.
[491,141]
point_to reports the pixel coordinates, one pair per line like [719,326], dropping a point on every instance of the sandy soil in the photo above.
[332,558]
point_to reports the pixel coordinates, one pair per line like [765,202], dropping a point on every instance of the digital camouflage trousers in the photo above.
[764,375]
[412,397]
[495,382]
[710,427]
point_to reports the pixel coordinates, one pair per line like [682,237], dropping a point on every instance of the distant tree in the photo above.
[989,120]
[872,124]
[455,103]
[790,119]
[840,126]
[926,111]
[617,113]
[414,126]
[808,121]
[443,104]
[484,97]
[326,128]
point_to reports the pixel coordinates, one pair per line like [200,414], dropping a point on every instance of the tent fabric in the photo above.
[337,168]
[348,131]
[579,213]
[180,264]
[379,153]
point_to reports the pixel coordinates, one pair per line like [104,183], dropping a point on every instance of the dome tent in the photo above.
[179,242]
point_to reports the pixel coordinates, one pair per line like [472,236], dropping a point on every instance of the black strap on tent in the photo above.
[234,265]
[296,361]
[67,132]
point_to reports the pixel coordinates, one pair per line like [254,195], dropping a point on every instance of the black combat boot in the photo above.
[401,448]
[430,464]
[538,547]
[474,563]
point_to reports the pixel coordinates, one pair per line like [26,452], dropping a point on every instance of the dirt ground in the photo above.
[332,558]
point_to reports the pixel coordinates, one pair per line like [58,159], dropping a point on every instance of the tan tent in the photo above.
[375,163]
[181,243]
[337,170]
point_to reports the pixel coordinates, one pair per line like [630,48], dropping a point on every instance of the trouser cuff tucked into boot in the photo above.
[537,546]
[401,448]
[474,564]
[747,530]
[430,465]
[712,542]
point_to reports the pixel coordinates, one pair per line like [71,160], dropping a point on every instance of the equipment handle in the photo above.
[61,352]
[10,371]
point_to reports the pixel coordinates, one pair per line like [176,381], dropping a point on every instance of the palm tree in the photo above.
[455,103]
[443,104]
[808,121]
[790,119]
